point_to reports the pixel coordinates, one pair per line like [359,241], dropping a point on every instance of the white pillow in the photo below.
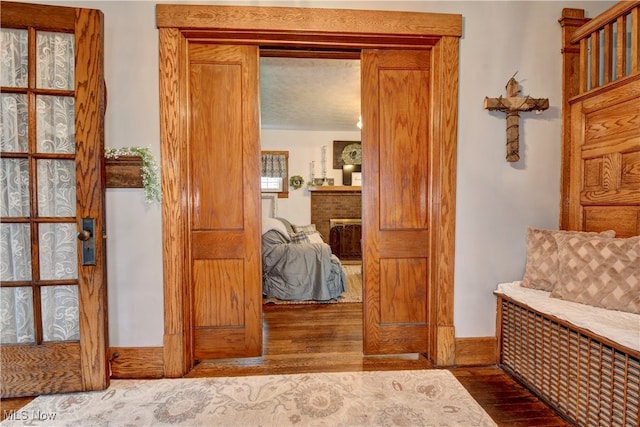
[315,237]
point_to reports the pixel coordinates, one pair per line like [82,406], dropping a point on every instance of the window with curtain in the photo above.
[274,173]
[38,299]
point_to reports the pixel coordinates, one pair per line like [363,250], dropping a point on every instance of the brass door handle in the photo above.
[84,235]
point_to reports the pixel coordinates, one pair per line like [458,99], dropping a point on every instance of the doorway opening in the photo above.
[307,102]
[200,247]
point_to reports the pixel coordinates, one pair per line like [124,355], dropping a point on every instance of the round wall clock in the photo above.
[352,154]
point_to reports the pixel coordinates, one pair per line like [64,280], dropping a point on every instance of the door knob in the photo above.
[84,235]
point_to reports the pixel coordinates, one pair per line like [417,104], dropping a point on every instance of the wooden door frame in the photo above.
[320,31]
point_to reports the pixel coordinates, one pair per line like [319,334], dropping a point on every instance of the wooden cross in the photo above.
[513,105]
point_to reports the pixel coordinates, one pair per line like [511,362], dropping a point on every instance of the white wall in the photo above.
[496,200]
[303,147]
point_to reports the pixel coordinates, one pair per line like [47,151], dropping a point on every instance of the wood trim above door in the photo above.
[312,29]
[308,23]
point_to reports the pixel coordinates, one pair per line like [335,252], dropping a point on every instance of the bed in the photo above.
[297,264]
[582,360]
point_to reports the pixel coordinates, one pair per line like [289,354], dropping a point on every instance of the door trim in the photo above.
[317,29]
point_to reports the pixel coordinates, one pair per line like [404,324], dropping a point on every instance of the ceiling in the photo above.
[309,94]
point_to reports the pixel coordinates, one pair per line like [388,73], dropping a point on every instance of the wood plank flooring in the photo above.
[328,338]
[304,338]
[506,400]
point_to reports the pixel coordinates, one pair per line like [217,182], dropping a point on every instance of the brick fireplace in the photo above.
[334,202]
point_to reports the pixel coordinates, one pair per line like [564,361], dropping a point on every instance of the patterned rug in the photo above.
[352,294]
[387,398]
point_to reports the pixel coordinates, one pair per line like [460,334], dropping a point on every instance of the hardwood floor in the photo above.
[506,400]
[328,338]
[307,338]
[303,338]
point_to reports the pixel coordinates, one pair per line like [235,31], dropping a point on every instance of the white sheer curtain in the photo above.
[56,195]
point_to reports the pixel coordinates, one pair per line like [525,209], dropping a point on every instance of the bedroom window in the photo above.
[274,173]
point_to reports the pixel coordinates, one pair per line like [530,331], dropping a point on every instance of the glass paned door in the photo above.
[39,255]
[53,305]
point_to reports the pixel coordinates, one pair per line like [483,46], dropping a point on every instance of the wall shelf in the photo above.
[123,172]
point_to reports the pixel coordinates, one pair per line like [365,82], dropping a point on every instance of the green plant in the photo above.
[149,169]
[296,181]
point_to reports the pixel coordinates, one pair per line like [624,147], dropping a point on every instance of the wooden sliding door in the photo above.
[395,140]
[225,201]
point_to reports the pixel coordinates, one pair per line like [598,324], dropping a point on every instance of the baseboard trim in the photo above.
[136,362]
[148,362]
[476,351]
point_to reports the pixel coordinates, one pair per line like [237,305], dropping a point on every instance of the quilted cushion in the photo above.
[599,271]
[541,271]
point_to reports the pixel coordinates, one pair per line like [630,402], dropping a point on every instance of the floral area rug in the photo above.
[385,398]
[352,294]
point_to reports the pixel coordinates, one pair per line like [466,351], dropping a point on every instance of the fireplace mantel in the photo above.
[336,189]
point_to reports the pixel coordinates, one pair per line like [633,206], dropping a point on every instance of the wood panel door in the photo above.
[395,145]
[224,146]
[54,300]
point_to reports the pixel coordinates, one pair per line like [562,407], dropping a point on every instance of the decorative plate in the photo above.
[352,154]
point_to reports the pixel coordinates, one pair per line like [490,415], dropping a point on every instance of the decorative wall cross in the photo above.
[513,105]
